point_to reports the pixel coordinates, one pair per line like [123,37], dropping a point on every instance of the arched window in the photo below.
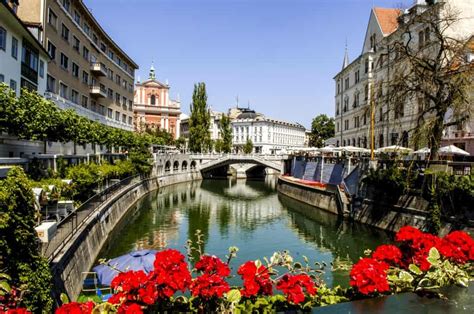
[153,100]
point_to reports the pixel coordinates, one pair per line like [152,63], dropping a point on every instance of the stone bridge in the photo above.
[177,163]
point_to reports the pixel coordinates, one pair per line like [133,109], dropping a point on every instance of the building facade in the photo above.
[361,92]
[88,71]
[23,60]
[269,136]
[153,107]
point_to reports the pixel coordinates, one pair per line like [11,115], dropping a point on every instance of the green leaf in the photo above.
[415,269]
[463,281]
[405,276]
[233,296]
[5,286]
[64,298]
[434,254]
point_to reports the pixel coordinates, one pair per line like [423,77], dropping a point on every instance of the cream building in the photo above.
[364,79]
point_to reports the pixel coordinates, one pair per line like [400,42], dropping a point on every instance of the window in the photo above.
[13,85]
[51,84]
[110,93]
[75,70]
[124,118]
[66,4]
[95,39]
[118,79]
[52,18]
[62,90]
[103,47]
[124,101]
[117,116]
[65,33]
[366,92]
[85,77]
[84,101]
[357,76]
[74,96]
[153,100]
[41,69]
[85,53]
[64,61]
[130,121]
[124,84]
[130,88]
[117,98]
[109,113]
[111,54]
[366,66]
[380,114]
[3,39]
[373,42]
[29,58]
[130,105]
[110,74]
[75,43]
[77,17]
[346,84]
[356,122]
[51,50]
[14,48]
[86,28]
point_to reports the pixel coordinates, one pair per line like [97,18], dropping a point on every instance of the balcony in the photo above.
[98,91]
[98,68]
[89,114]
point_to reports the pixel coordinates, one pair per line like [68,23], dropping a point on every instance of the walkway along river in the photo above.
[247,214]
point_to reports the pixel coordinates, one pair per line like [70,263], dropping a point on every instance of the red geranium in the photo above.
[212,265]
[407,233]
[256,279]
[16,311]
[457,246]
[129,308]
[171,273]
[133,286]
[388,253]
[369,275]
[292,286]
[76,308]
[208,286]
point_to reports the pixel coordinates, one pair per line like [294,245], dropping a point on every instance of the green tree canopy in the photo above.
[226,134]
[248,146]
[199,121]
[322,128]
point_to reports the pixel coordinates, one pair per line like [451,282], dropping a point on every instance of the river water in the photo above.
[248,214]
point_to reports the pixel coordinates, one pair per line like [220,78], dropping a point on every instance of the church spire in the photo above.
[152,75]
[345,63]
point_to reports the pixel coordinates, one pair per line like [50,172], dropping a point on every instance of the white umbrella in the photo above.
[424,150]
[394,149]
[452,150]
[327,149]
[352,149]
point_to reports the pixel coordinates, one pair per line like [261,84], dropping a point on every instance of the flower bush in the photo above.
[417,261]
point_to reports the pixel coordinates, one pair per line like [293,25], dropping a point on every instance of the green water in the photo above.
[247,214]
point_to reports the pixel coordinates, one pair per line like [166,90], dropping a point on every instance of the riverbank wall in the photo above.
[80,253]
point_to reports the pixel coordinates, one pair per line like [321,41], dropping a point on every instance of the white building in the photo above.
[23,60]
[364,79]
[214,127]
[269,136]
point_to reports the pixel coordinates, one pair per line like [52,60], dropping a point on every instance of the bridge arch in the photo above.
[167,166]
[176,166]
[184,165]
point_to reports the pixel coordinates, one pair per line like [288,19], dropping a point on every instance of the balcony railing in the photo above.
[82,111]
[97,90]
[98,68]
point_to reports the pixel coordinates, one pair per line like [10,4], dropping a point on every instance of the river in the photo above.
[247,214]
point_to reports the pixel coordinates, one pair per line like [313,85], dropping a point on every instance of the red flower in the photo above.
[457,246]
[407,233]
[212,265]
[129,308]
[388,253]
[17,311]
[292,286]
[76,308]
[369,275]
[256,280]
[171,273]
[129,281]
[207,286]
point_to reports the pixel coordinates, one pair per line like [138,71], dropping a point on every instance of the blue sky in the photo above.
[279,55]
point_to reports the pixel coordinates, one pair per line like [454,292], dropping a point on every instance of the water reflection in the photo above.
[247,214]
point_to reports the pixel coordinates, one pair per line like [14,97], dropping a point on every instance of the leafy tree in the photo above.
[322,128]
[140,158]
[19,254]
[226,134]
[248,146]
[180,143]
[199,121]
[430,74]
[218,145]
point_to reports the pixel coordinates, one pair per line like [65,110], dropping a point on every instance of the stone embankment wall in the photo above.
[82,250]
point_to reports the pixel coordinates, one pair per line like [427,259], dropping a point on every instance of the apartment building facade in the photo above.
[88,71]
[153,107]
[361,87]
[23,60]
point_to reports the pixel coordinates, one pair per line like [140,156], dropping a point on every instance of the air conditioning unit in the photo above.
[46,230]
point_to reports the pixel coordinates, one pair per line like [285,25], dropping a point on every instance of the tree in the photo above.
[199,121]
[19,254]
[248,146]
[429,72]
[218,146]
[322,128]
[226,134]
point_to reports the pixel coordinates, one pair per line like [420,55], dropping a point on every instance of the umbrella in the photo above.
[424,150]
[394,149]
[327,149]
[136,260]
[452,150]
[351,149]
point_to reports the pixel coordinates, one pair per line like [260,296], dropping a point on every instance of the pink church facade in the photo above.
[153,107]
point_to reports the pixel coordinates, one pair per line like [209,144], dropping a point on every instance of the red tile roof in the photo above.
[387,18]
